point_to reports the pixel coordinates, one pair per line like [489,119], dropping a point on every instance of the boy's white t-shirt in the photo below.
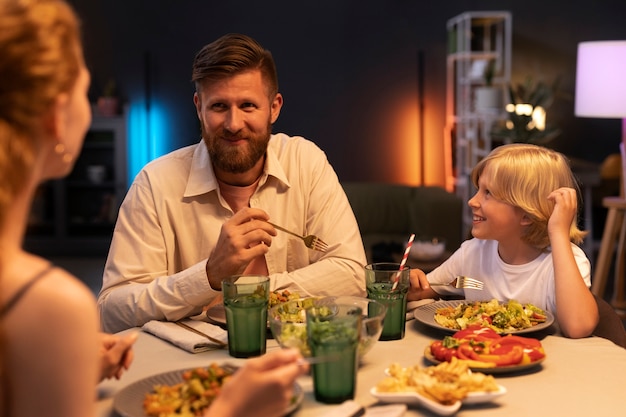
[528,283]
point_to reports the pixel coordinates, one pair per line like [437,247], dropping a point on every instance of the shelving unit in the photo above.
[76,215]
[477,42]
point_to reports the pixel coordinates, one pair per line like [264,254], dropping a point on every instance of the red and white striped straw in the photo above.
[404,258]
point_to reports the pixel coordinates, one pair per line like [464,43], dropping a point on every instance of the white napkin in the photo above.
[186,339]
[351,408]
[390,410]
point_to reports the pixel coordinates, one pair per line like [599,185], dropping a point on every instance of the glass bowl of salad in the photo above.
[288,321]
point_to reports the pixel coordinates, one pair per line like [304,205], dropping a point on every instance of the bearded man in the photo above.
[201,213]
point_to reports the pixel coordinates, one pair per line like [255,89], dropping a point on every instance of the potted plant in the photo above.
[488,97]
[527,113]
[108,103]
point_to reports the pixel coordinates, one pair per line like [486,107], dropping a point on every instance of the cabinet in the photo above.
[478,72]
[76,215]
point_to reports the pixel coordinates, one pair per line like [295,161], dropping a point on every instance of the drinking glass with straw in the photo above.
[388,283]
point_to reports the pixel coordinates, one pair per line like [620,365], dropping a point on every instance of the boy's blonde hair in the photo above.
[523,176]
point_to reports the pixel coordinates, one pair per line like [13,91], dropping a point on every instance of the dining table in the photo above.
[579,377]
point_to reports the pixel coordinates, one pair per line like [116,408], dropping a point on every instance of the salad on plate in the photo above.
[503,317]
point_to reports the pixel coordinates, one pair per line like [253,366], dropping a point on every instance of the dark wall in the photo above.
[345,65]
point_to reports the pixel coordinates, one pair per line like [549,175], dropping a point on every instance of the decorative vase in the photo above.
[108,106]
[488,99]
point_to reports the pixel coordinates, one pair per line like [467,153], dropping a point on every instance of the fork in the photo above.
[463,282]
[198,332]
[312,360]
[310,241]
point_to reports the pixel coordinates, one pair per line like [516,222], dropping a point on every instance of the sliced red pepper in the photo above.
[525,341]
[505,344]
[513,357]
[532,349]
[486,345]
[534,354]
[465,351]
[477,332]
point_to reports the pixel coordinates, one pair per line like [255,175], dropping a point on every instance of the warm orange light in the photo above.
[396,151]
[404,137]
[407,149]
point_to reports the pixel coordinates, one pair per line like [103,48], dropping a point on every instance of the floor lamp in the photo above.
[601,93]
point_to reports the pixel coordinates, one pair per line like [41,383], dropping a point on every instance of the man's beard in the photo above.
[236,159]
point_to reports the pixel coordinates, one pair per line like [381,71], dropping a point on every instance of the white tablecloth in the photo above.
[584,377]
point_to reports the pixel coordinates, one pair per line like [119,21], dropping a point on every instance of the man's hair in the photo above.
[523,176]
[232,54]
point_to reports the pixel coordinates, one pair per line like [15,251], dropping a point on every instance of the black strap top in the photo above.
[5,309]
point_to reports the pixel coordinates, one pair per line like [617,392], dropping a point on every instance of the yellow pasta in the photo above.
[501,317]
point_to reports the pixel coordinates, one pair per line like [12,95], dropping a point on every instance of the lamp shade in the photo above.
[601,79]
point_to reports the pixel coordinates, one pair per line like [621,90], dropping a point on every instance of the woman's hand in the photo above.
[263,387]
[116,354]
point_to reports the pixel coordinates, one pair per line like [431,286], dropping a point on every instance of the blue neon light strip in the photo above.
[147,136]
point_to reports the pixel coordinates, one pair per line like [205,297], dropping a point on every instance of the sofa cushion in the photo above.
[381,208]
[388,213]
[439,213]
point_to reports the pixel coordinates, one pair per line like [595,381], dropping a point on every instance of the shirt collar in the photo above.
[202,178]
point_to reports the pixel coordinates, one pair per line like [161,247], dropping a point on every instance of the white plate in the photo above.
[484,397]
[216,314]
[412,305]
[128,402]
[412,397]
[426,315]
[415,398]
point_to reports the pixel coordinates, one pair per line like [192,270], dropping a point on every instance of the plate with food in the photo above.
[509,317]
[486,368]
[160,394]
[413,398]
[484,350]
[442,389]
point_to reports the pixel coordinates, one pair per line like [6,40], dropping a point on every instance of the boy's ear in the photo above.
[526,220]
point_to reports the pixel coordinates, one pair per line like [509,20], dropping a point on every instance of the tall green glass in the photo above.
[333,333]
[246,298]
[379,281]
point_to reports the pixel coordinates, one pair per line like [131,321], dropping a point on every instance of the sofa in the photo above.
[387,214]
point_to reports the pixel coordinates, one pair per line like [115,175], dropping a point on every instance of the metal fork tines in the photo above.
[310,241]
[464,282]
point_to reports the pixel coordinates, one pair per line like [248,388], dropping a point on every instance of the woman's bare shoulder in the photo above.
[62,284]
[61,293]
[56,315]
[54,292]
